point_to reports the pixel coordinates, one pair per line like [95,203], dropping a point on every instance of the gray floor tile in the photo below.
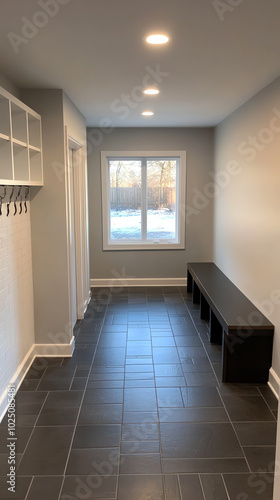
[50,456]
[140,432]
[22,433]
[103,396]
[97,461]
[251,486]
[140,464]
[22,485]
[168,370]
[256,433]
[97,436]
[192,415]
[247,408]
[171,488]
[58,416]
[143,399]
[201,379]
[165,355]
[204,465]
[260,457]
[100,414]
[138,447]
[138,417]
[191,487]
[91,487]
[199,440]
[44,488]
[63,399]
[142,487]
[169,397]
[163,342]
[201,397]
[170,382]
[213,487]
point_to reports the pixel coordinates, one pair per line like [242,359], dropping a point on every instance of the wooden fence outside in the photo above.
[123,198]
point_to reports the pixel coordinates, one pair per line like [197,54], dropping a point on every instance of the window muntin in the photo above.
[142,195]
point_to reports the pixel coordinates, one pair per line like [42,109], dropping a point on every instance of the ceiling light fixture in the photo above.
[157,39]
[147,113]
[151,91]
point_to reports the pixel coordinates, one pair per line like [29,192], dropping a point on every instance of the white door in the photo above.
[72,240]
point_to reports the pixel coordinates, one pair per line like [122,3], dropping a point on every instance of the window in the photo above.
[141,198]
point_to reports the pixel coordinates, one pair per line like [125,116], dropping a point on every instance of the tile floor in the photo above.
[139,412]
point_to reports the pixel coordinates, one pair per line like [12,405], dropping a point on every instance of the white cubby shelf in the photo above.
[21,158]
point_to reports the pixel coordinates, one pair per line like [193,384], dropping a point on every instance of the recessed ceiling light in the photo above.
[151,91]
[157,39]
[147,113]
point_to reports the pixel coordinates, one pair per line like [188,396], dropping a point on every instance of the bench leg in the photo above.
[196,294]
[246,359]
[189,282]
[204,308]
[216,330]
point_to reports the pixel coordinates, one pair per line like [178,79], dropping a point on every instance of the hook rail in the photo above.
[16,199]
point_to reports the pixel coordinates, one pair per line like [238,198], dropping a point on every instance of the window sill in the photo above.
[143,246]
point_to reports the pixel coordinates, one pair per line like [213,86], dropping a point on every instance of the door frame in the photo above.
[79,165]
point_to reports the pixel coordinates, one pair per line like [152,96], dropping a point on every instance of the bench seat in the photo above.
[245,334]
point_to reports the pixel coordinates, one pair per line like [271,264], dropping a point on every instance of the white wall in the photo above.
[16,290]
[198,143]
[16,298]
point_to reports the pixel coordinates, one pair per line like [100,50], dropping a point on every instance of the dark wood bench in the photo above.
[245,334]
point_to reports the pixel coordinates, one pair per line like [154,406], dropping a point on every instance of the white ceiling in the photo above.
[95,51]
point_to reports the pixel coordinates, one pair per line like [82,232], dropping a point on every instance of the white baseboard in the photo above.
[122,283]
[274,382]
[36,350]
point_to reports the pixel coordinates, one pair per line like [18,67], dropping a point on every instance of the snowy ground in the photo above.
[126,224]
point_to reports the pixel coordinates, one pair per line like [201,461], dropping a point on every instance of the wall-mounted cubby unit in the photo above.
[21,159]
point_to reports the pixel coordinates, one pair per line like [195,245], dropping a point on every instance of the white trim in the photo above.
[113,282]
[120,245]
[36,350]
[274,382]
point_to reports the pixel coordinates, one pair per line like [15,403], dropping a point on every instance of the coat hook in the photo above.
[2,197]
[20,203]
[25,198]
[16,198]
[10,200]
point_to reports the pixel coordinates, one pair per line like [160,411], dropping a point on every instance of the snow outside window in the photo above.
[143,200]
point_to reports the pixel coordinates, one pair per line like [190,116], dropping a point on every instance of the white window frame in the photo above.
[109,244]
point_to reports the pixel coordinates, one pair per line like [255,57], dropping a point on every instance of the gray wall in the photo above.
[49,216]
[247,223]
[9,85]
[198,143]
[247,227]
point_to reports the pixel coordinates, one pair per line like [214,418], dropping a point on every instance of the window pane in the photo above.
[125,199]
[161,215]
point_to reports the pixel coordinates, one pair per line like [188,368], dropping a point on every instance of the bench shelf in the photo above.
[245,334]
